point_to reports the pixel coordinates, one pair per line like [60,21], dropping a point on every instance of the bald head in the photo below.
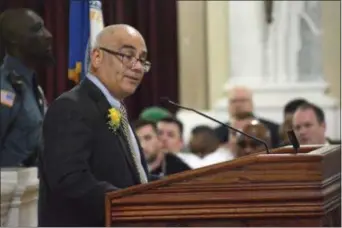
[239,91]
[118,59]
[116,34]
[240,102]
[10,20]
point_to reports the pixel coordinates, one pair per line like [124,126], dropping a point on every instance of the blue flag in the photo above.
[79,32]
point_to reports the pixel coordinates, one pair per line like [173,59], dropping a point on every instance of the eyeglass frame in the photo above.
[145,63]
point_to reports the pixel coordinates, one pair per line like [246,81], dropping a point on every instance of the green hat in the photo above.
[154,114]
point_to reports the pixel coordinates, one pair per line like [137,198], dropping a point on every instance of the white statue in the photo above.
[294,42]
[310,66]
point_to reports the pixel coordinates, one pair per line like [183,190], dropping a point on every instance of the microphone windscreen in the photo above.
[293,139]
[164,100]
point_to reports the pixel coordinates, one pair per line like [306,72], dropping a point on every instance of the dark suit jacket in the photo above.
[223,133]
[82,160]
[173,164]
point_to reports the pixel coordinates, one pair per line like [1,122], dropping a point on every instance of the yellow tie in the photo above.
[138,165]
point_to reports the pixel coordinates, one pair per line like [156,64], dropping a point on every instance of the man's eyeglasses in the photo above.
[129,60]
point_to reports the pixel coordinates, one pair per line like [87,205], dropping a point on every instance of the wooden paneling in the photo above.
[277,189]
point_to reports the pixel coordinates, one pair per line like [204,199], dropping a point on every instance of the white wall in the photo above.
[212,55]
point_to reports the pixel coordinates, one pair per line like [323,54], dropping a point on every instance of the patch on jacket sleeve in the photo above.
[7,98]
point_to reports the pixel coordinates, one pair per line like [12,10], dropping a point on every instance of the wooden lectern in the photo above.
[277,189]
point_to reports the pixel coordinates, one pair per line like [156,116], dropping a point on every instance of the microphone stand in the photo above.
[217,121]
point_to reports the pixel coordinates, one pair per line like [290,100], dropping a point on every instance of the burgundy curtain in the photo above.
[155,19]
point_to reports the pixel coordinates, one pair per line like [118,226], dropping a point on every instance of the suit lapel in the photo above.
[103,106]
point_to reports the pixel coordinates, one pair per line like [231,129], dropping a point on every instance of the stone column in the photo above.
[247,37]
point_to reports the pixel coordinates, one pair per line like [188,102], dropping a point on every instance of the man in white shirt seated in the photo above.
[204,149]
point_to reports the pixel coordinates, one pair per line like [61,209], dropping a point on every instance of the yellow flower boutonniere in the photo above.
[114,116]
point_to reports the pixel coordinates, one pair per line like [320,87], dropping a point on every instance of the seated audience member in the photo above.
[246,146]
[205,144]
[159,163]
[154,114]
[288,112]
[151,145]
[174,164]
[170,131]
[240,104]
[238,123]
[205,149]
[309,125]
[203,141]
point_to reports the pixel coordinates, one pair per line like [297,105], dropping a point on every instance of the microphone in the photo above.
[217,121]
[293,140]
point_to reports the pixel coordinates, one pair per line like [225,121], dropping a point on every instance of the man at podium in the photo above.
[90,149]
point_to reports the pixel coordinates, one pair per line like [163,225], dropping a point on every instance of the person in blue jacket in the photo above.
[22,104]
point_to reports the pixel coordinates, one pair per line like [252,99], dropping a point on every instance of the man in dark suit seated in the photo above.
[241,106]
[160,162]
[90,149]
[151,145]
[288,112]
[170,131]
[309,125]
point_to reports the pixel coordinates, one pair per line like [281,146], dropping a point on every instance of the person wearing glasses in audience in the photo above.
[246,146]
[89,146]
